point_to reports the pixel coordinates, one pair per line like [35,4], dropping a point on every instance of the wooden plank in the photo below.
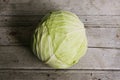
[52,75]
[15,35]
[35,19]
[21,57]
[13,1]
[16,21]
[97,37]
[83,7]
[103,37]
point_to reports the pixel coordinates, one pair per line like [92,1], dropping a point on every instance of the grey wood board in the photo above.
[97,37]
[31,20]
[21,57]
[18,19]
[13,1]
[82,7]
[58,75]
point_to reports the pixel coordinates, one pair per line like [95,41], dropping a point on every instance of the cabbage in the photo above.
[60,39]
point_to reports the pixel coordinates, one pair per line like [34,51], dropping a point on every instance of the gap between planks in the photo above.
[28,46]
[59,70]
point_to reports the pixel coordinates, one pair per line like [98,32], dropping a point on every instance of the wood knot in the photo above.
[5,0]
[85,19]
[12,33]
[117,36]
[48,75]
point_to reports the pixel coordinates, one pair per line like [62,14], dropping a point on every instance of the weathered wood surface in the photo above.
[83,7]
[97,37]
[27,20]
[18,19]
[13,1]
[58,75]
[21,57]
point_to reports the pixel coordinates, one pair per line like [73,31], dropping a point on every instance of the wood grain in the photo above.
[13,1]
[18,19]
[21,57]
[83,7]
[58,75]
[31,20]
[97,37]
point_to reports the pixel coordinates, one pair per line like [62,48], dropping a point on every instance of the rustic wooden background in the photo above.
[18,19]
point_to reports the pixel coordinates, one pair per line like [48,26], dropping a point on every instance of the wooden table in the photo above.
[18,19]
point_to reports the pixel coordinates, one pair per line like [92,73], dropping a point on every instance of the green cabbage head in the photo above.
[60,39]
